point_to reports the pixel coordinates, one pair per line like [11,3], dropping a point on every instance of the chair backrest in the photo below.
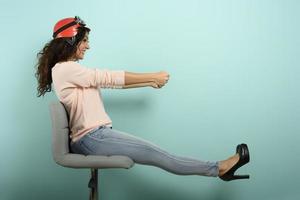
[60,130]
[60,145]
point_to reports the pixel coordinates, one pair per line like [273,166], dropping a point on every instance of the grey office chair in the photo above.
[63,156]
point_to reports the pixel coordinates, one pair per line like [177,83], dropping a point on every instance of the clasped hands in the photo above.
[160,79]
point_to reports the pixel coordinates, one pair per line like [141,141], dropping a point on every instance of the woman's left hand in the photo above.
[161,78]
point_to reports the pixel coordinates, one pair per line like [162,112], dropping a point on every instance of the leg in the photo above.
[106,141]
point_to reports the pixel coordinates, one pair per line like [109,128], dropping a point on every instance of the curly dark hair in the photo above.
[57,50]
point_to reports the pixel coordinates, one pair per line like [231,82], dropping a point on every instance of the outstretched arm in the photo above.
[155,80]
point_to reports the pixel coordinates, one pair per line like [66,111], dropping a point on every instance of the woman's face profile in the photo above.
[82,47]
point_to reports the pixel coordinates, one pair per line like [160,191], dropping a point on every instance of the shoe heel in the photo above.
[241,177]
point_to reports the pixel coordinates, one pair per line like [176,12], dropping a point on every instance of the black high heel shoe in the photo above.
[242,150]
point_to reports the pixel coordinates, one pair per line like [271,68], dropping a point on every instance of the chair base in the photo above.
[93,185]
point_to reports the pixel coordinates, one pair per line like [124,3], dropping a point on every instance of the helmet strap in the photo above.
[71,41]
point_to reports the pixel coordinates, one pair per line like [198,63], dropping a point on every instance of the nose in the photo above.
[87,46]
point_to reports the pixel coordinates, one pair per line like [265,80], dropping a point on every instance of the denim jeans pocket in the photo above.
[98,134]
[84,148]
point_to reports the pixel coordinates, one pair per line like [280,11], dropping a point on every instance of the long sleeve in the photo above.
[79,76]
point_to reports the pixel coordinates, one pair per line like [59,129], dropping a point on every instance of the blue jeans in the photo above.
[106,141]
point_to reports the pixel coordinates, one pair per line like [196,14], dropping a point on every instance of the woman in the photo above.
[78,88]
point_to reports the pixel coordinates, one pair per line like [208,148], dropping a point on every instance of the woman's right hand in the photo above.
[161,78]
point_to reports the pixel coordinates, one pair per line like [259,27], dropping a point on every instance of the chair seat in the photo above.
[93,161]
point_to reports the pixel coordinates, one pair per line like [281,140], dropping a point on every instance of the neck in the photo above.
[73,59]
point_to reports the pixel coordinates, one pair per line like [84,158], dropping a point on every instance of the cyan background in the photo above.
[234,77]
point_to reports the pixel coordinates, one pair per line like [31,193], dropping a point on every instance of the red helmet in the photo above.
[67,27]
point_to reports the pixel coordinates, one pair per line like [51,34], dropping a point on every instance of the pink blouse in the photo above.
[78,88]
